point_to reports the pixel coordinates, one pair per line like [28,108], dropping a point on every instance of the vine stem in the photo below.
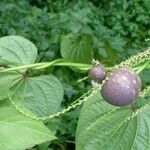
[57,62]
[131,62]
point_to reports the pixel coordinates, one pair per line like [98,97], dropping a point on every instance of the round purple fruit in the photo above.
[97,73]
[122,87]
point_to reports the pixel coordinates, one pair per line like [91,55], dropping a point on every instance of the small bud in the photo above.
[97,72]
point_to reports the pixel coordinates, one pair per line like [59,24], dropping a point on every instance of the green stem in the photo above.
[57,62]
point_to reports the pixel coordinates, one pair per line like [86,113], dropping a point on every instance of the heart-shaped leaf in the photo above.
[14,50]
[17,49]
[41,95]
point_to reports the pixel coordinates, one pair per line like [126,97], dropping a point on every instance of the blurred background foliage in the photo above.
[113,29]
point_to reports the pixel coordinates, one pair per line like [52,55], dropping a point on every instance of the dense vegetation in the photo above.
[109,31]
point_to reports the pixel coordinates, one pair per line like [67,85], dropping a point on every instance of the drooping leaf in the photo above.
[77,48]
[17,49]
[19,132]
[108,127]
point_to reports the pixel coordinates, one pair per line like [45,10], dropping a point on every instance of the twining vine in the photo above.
[132,62]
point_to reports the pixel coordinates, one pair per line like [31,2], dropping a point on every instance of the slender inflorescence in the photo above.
[83,79]
[131,62]
[136,59]
[145,91]
[78,102]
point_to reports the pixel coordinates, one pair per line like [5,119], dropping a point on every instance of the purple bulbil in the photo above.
[122,87]
[97,73]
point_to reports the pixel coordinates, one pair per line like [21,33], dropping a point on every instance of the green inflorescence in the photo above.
[137,59]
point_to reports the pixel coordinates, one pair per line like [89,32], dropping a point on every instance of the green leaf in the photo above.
[77,48]
[44,146]
[7,80]
[41,95]
[17,49]
[107,127]
[142,140]
[14,50]
[92,108]
[18,132]
[111,53]
[144,98]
